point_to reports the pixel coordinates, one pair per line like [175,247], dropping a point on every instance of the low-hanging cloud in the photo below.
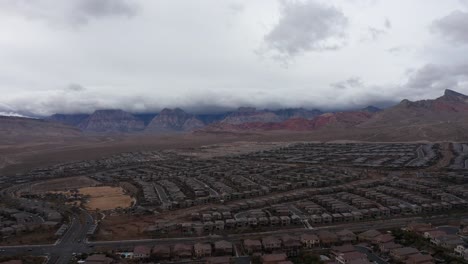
[306,26]
[74,87]
[453,27]
[353,82]
[70,12]
[430,78]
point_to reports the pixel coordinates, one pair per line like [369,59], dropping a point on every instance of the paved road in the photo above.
[161,193]
[210,190]
[74,240]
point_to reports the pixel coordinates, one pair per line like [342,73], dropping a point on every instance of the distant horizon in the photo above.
[218,110]
[14,114]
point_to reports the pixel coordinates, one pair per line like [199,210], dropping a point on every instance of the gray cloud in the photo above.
[387,23]
[71,12]
[74,87]
[353,82]
[236,7]
[464,2]
[398,50]
[454,27]
[103,8]
[436,78]
[306,26]
[374,33]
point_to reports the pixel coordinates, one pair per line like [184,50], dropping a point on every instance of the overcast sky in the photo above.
[141,56]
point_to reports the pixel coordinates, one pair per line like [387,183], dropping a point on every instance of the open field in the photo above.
[124,227]
[106,198]
[37,237]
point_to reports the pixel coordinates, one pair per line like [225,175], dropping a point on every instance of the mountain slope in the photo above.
[452,106]
[19,127]
[288,113]
[173,120]
[111,121]
[336,120]
[68,119]
[250,115]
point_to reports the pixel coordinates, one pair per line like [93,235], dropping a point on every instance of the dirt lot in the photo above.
[37,237]
[106,198]
[123,227]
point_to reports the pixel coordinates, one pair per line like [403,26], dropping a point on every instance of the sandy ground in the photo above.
[36,237]
[124,227]
[106,198]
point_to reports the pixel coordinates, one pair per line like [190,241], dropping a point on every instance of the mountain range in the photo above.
[443,118]
[175,120]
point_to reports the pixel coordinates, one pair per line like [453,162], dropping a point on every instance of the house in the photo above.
[420,259]
[346,236]
[291,244]
[223,247]
[316,219]
[386,247]
[252,246]
[419,227]
[449,241]
[271,243]
[274,220]
[310,240]
[369,235]
[327,238]
[357,216]
[433,234]
[141,252]
[274,258]
[337,250]
[384,238]
[462,251]
[202,250]
[401,254]
[285,220]
[161,251]
[181,251]
[98,259]
[326,218]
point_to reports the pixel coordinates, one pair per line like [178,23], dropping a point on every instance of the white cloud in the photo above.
[306,26]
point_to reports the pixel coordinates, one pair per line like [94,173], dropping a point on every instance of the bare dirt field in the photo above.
[106,198]
[124,227]
[37,237]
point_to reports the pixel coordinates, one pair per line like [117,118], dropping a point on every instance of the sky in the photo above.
[77,56]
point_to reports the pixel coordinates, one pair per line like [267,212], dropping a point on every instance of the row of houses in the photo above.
[182,250]
[228,224]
